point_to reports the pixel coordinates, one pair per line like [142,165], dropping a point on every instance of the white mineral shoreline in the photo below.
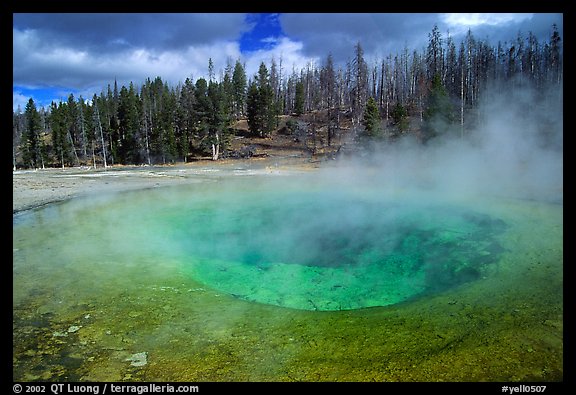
[35,188]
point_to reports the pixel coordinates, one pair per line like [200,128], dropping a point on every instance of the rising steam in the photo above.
[514,149]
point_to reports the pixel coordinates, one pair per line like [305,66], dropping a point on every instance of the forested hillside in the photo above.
[151,122]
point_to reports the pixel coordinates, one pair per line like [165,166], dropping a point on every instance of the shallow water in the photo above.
[223,280]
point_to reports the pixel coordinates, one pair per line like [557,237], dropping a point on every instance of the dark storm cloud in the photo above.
[113,32]
[338,33]
[384,34]
[86,50]
[538,24]
[82,51]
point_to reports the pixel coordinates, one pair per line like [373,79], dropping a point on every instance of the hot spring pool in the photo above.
[294,246]
[330,250]
[312,249]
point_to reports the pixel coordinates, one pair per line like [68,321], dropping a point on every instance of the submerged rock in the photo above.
[74,328]
[138,359]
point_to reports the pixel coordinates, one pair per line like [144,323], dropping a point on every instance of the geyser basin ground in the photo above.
[217,280]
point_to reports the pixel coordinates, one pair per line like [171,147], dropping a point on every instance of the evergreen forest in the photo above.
[427,93]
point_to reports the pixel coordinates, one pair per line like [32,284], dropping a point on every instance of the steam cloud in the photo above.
[514,150]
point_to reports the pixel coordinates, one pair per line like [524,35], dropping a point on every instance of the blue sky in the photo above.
[58,54]
[264,34]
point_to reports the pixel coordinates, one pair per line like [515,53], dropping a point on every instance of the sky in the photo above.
[58,54]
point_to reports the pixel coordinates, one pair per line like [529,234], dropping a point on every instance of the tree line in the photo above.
[156,123]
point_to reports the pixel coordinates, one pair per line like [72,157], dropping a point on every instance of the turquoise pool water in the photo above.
[276,243]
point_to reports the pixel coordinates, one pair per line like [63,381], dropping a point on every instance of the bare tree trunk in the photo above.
[93,155]
[73,149]
[338,125]
[313,139]
[387,108]
[216,148]
[101,137]
[421,108]
[83,132]
[462,102]
[147,141]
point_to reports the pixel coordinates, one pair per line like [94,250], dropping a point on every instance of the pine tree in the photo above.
[254,116]
[299,98]
[400,117]
[161,119]
[266,101]
[555,56]
[218,119]
[239,88]
[166,122]
[439,112]
[328,83]
[111,124]
[85,125]
[434,53]
[129,125]
[71,115]
[99,131]
[17,132]
[227,93]
[60,143]
[359,77]
[201,112]
[210,70]
[32,144]
[372,121]
[187,103]
[261,111]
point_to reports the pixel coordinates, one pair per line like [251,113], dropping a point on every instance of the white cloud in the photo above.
[18,99]
[40,63]
[286,49]
[270,40]
[476,19]
[57,56]
[36,64]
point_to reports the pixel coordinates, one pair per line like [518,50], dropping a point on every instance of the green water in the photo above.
[305,249]
[201,277]
[333,250]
